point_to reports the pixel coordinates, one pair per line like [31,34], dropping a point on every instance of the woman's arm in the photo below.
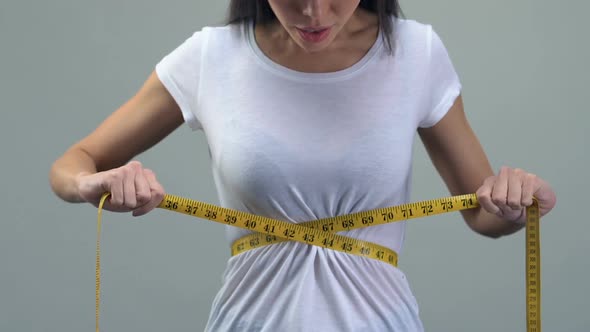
[463,165]
[97,163]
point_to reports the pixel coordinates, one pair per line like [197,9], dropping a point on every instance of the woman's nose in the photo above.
[313,8]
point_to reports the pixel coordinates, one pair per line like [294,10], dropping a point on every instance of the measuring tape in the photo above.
[322,233]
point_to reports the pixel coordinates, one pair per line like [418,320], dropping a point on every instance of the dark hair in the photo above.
[260,11]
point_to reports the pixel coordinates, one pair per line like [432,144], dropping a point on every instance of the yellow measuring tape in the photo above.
[322,233]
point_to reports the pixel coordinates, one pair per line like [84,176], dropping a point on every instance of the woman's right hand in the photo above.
[132,188]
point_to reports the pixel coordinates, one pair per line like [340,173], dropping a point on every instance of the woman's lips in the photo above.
[314,35]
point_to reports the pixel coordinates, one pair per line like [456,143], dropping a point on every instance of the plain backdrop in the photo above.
[65,65]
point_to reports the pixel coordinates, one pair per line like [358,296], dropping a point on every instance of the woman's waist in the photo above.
[390,236]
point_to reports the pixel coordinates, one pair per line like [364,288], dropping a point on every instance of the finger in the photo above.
[484,195]
[155,185]
[116,188]
[129,200]
[514,197]
[142,189]
[500,189]
[530,186]
[157,194]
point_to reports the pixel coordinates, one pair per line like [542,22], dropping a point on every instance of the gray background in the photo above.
[65,65]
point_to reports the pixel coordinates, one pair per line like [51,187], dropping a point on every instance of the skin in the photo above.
[100,162]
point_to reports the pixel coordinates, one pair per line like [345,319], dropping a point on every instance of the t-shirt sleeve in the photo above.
[443,85]
[179,73]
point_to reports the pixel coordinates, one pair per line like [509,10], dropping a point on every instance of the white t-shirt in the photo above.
[302,146]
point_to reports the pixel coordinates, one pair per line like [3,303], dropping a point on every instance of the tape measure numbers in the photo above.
[322,233]
[365,219]
[533,268]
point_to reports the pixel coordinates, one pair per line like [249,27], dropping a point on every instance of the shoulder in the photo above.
[416,39]
[410,25]
[210,41]
[234,32]
[219,34]
[412,32]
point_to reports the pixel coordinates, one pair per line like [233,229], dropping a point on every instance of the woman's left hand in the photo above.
[508,193]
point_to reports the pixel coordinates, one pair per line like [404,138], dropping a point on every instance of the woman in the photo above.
[310,108]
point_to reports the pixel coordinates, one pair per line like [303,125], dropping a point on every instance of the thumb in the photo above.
[545,196]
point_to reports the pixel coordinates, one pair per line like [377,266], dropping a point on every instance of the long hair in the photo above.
[260,11]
